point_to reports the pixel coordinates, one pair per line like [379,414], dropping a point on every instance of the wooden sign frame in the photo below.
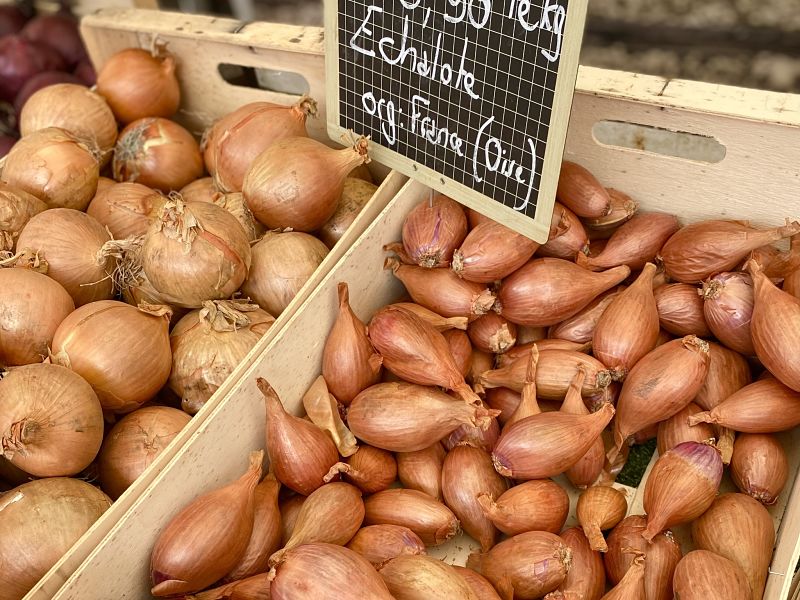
[536,228]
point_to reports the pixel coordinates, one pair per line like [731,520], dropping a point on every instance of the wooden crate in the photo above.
[758,179]
[200,44]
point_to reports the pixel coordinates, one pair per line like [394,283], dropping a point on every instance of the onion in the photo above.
[370,469]
[208,344]
[39,523]
[703,575]
[569,240]
[538,505]
[200,190]
[580,191]
[633,583]
[479,584]
[76,109]
[355,195]
[207,538]
[85,72]
[623,208]
[126,209]
[255,587]
[55,166]
[460,349]
[420,577]
[282,263]
[134,443]
[600,508]
[235,141]
[33,307]
[474,435]
[759,466]
[586,579]
[60,32]
[289,510]
[490,252]
[492,333]
[77,251]
[122,351]
[379,543]
[137,84]
[479,363]
[728,309]
[676,429]
[297,182]
[195,252]
[548,290]
[432,521]
[39,81]
[11,19]
[157,153]
[580,327]
[20,59]
[51,423]
[432,230]
[422,469]
[588,468]
[680,310]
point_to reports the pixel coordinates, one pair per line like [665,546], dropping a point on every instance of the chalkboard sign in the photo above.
[471,97]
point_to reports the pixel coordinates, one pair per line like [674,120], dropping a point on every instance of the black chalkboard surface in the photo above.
[472,97]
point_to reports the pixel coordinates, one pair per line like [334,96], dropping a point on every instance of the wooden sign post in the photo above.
[471,97]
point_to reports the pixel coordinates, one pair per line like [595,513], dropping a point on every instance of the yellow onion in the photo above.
[659,385]
[623,208]
[139,84]
[33,307]
[586,578]
[420,577]
[404,417]
[676,429]
[682,485]
[234,141]
[492,333]
[490,252]
[628,329]
[589,466]
[759,466]
[122,351]
[281,265]
[460,349]
[739,528]
[632,585]
[379,543]
[207,538]
[326,413]
[581,192]
[442,291]
[349,362]
[478,583]
[370,469]
[703,575]
[51,423]
[706,248]
[74,108]
[466,473]
[297,182]
[55,166]
[413,350]
[199,190]
[134,443]
[538,505]
[157,153]
[548,290]
[355,195]
[580,327]
[77,250]
[39,523]
[195,252]
[431,520]
[728,300]
[634,244]
[16,209]
[432,230]
[663,553]
[526,566]
[422,469]
[255,587]
[337,573]
[680,310]
[569,240]
[234,203]
[600,508]
[126,209]
[208,344]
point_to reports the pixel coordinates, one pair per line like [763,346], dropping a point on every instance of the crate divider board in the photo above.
[751,124]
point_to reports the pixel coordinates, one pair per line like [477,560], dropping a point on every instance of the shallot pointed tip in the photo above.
[701,417]
[344,294]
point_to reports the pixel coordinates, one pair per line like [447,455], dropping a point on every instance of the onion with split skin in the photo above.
[16,209]
[126,209]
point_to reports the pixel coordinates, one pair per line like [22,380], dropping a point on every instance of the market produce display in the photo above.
[455,408]
[136,278]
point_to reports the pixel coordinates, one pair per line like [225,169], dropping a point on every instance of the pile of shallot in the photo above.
[510,365]
[135,296]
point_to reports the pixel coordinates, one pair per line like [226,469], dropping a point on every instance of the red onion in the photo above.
[6,142]
[85,72]
[11,20]
[60,32]
[21,59]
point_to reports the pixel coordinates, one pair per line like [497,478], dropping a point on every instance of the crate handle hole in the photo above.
[271,80]
[656,140]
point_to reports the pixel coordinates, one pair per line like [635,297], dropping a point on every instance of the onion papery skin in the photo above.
[195,252]
[580,327]
[235,204]
[728,309]
[34,305]
[51,423]
[680,310]
[571,238]
[759,466]
[479,584]
[71,242]
[200,190]
[297,182]
[255,587]
[56,166]
[207,347]
[422,470]
[420,577]
[432,230]
[548,290]
[235,141]
[356,193]
[134,443]
[126,209]
[491,252]
[370,469]
[53,513]
[460,349]
[16,209]
[74,108]
[473,435]
[740,529]
[431,520]
[137,84]
[338,573]
[538,505]
[703,575]
[676,429]
[379,543]
[122,351]
[728,372]
[586,578]
[281,265]
[157,153]
[581,192]
[526,566]
[492,333]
